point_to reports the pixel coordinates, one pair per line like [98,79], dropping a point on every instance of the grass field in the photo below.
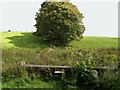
[17,46]
[28,40]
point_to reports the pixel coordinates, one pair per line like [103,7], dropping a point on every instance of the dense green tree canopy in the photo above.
[59,22]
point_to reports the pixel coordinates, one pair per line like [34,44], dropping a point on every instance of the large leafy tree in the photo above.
[59,22]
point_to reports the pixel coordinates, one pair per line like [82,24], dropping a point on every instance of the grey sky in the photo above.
[101,18]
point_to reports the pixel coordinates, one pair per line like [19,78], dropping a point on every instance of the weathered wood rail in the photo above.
[66,67]
[41,69]
[23,64]
[57,69]
[48,66]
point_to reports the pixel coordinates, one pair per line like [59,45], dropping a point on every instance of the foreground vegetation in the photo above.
[89,52]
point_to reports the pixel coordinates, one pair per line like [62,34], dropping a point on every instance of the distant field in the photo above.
[28,40]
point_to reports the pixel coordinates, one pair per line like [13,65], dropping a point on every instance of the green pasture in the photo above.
[29,41]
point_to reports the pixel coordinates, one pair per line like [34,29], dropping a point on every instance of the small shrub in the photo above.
[86,77]
[109,80]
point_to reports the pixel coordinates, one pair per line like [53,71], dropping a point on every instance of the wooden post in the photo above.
[21,63]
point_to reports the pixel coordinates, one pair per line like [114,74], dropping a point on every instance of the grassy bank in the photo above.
[16,46]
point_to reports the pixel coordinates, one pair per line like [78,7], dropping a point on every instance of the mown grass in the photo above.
[21,40]
[96,42]
[28,40]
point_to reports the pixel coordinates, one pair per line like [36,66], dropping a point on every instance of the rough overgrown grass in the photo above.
[47,83]
[28,83]
[57,56]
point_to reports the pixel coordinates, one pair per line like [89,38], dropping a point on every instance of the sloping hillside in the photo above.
[28,40]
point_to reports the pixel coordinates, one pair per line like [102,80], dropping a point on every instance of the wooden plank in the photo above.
[103,68]
[66,67]
[47,66]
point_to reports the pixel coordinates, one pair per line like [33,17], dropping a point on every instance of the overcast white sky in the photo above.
[101,17]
